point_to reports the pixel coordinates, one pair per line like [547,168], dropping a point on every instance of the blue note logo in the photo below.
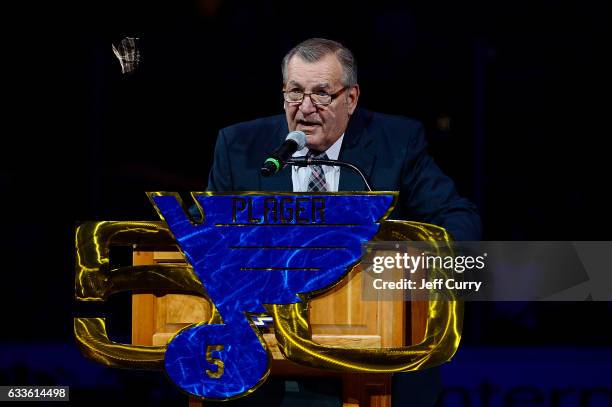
[256,249]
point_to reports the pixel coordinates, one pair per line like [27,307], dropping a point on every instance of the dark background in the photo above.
[514,97]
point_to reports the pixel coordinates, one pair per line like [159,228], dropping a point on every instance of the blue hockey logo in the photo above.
[254,249]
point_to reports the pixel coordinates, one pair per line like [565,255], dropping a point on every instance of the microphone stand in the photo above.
[306,161]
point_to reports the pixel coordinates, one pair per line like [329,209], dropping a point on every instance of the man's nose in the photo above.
[307,107]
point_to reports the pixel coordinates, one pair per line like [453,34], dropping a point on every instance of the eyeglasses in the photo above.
[296,97]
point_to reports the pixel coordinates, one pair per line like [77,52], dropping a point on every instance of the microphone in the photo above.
[296,140]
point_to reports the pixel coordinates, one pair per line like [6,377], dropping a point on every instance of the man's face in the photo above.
[323,125]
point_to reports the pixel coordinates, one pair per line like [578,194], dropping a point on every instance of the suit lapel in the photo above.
[281,181]
[357,149]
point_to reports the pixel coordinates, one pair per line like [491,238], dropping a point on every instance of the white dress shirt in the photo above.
[301,175]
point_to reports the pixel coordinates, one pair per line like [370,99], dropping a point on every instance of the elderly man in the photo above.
[321,95]
[320,99]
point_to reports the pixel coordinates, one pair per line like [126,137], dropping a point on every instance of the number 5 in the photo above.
[214,361]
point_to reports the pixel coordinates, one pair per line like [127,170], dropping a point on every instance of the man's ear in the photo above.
[352,98]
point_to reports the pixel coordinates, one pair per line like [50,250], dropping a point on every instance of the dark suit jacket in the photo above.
[391,150]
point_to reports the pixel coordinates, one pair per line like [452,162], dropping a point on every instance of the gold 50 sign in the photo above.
[95,280]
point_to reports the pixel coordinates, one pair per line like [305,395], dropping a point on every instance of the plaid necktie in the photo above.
[316,182]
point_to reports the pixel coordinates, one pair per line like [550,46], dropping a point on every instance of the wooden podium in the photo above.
[338,317]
